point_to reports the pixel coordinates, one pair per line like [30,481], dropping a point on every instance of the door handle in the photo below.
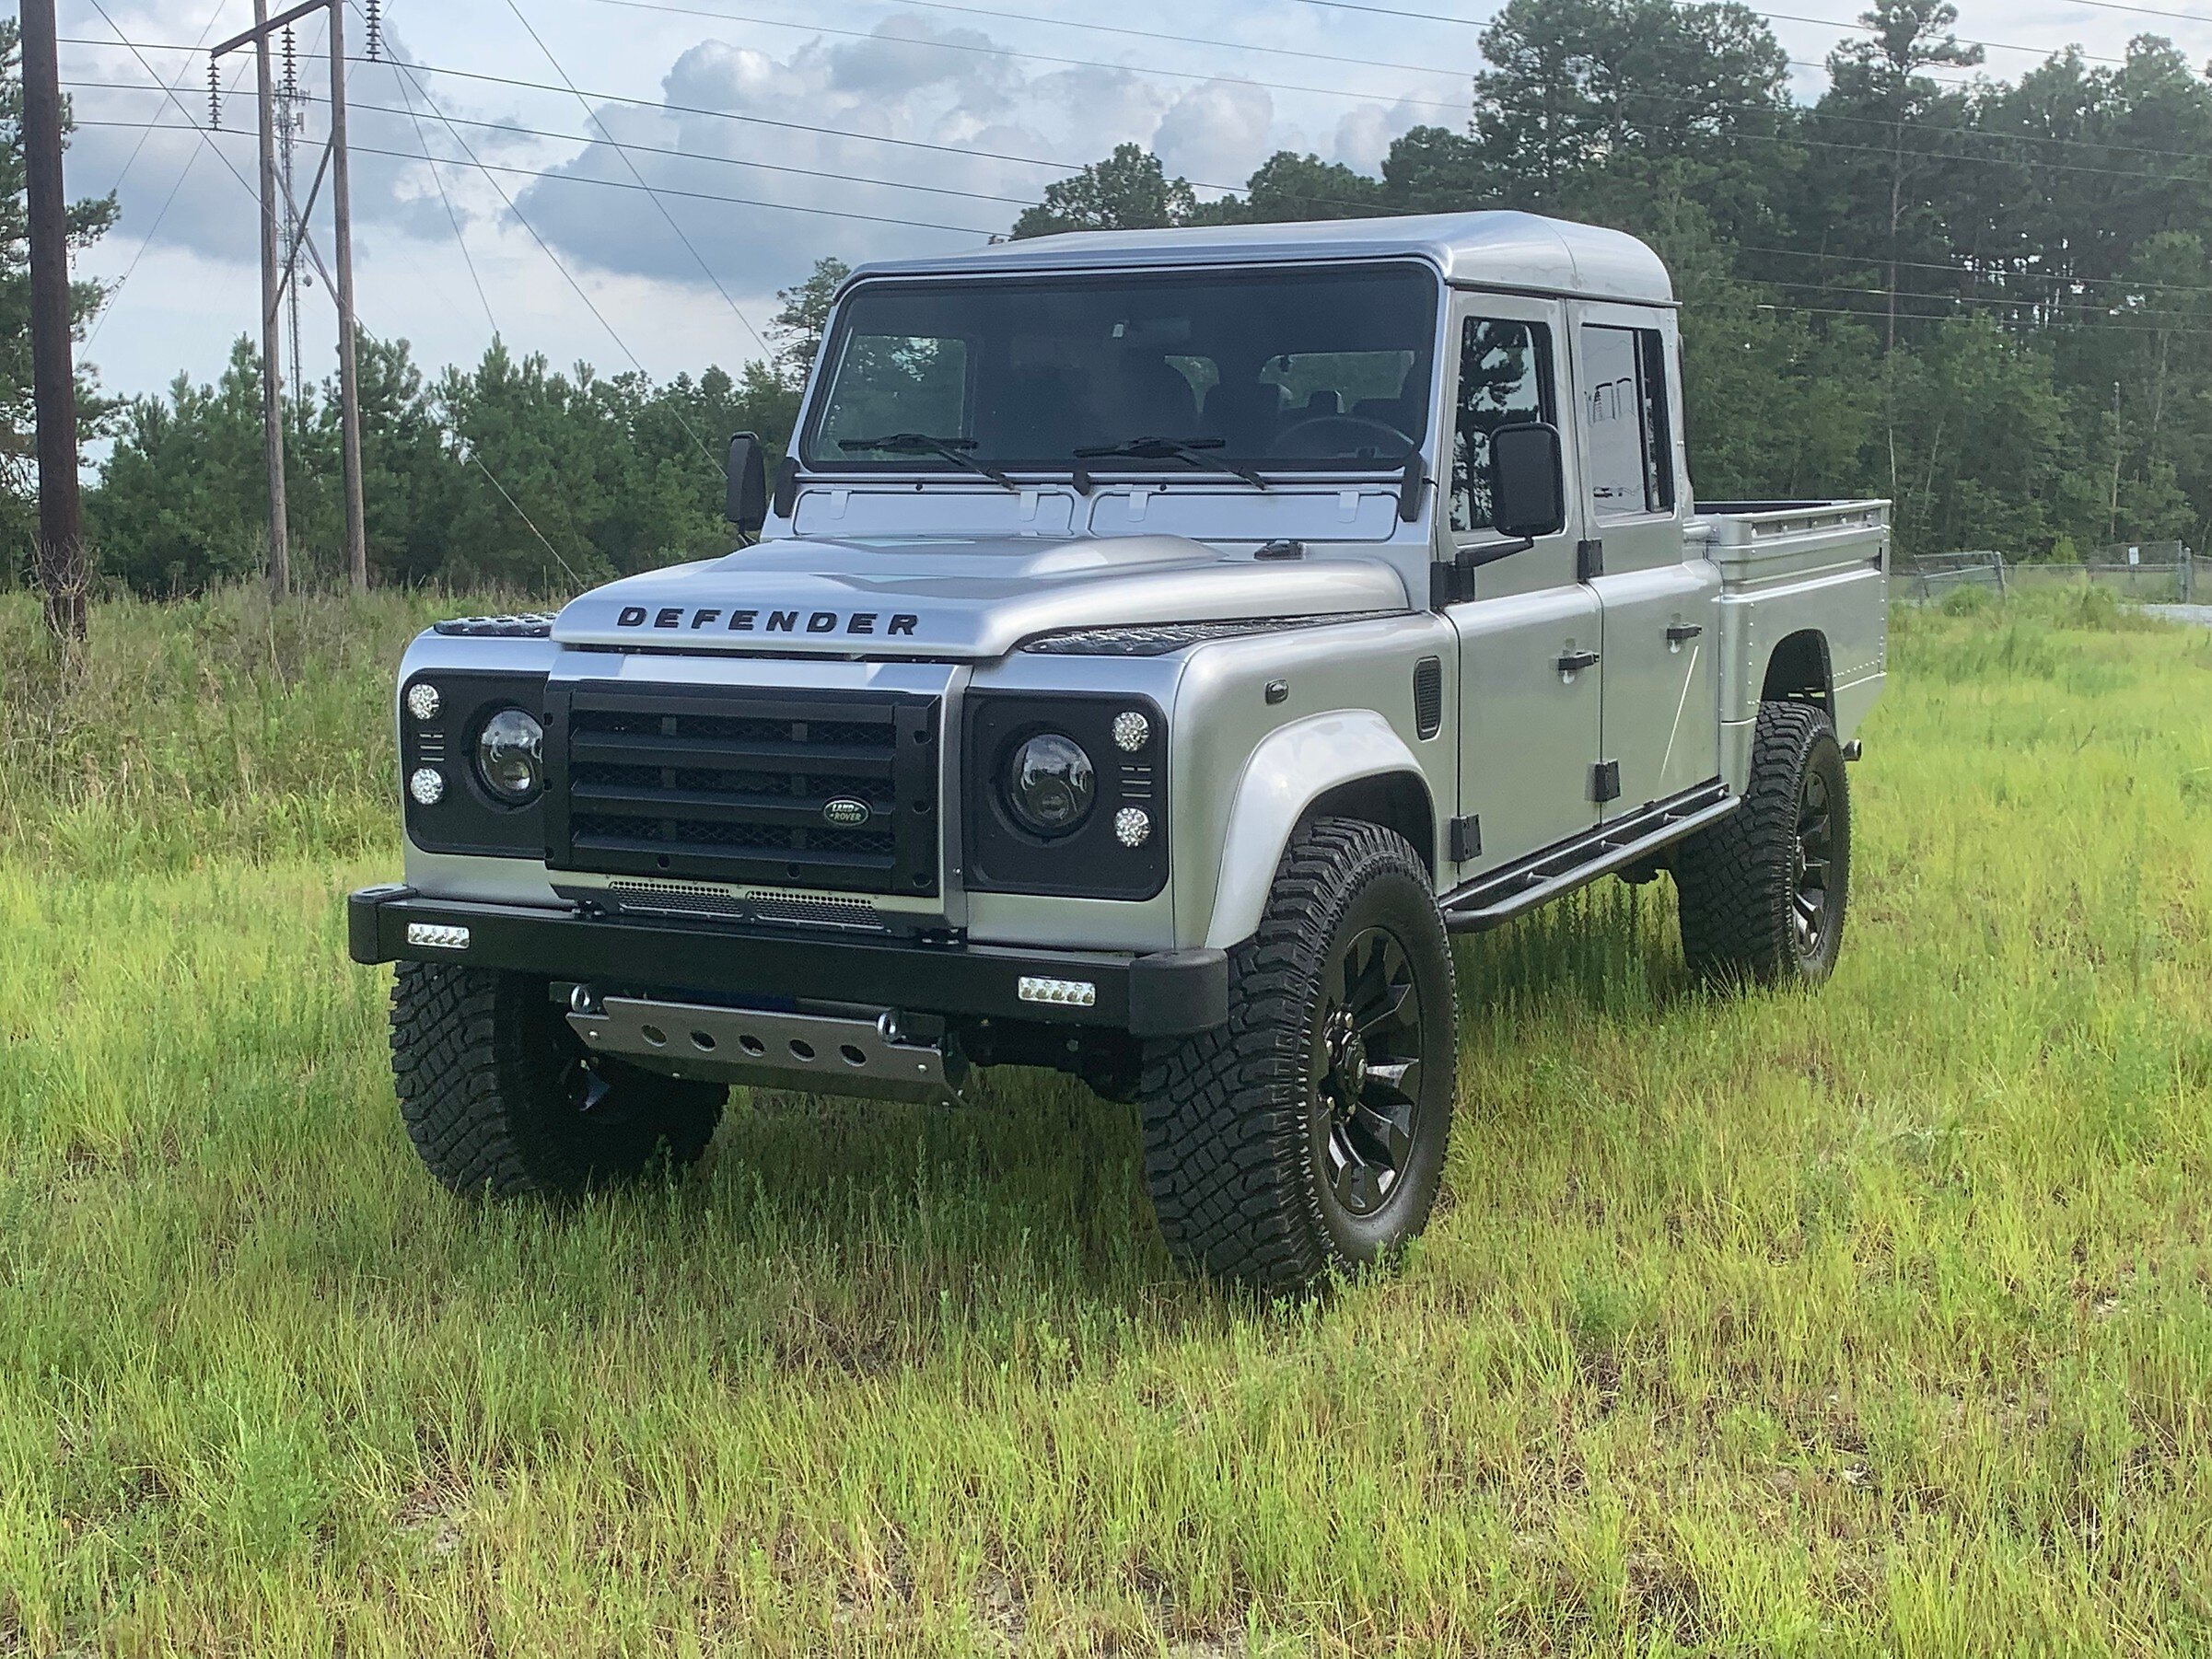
[1684,631]
[1572,660]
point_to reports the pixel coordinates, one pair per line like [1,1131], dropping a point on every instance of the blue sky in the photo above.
[1007,84]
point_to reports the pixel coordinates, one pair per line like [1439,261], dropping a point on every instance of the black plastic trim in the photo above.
[470,819]
[1089,862]
[1165,994]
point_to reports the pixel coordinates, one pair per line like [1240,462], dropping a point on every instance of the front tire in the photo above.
[1308,1135]
[1762,892]
[500,1096]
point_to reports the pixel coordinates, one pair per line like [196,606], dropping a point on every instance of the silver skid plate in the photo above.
[809,1052]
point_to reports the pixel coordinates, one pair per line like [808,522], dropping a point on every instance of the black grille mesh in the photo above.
[748,786]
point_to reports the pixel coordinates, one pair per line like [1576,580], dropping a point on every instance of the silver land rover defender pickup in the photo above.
[1155,646]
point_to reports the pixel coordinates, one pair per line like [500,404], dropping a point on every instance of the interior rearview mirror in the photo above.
[1527,481]
[746,502]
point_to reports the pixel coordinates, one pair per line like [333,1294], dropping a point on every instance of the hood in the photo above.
[957,598]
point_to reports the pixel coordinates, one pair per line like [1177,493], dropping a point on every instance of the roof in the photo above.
[1475,250]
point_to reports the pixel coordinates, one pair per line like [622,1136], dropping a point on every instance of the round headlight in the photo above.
[1050,784]
[509,756]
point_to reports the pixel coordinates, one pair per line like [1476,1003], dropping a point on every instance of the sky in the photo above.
[863,129]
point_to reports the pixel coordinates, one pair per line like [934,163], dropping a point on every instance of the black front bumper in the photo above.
[1167,994]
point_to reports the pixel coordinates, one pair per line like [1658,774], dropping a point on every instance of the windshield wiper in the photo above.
[920,442]
[1194,450]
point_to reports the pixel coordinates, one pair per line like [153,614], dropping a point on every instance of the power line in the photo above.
[527,172]
[1389,11]
[167,88]
[422,140]
[139,148]
[1038,57]
[592,116]
[2111,328]
[1979,272]
[643,149]
[1064,166]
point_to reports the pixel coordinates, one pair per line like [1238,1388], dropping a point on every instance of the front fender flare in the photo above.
[1293,767]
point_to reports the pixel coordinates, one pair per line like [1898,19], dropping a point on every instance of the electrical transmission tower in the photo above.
[285,233]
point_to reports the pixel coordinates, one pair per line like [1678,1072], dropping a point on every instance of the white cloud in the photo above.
[1217,133]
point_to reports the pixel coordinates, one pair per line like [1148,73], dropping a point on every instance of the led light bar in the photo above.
[1067,993]
[437,936]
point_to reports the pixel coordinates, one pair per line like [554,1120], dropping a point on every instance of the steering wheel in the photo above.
[1310,440]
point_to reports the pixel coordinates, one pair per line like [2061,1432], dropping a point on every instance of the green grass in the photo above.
[1869,1322]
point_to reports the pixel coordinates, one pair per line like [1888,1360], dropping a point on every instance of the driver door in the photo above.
[1529,639]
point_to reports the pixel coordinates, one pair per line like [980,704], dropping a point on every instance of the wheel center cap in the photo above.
[1347,1061]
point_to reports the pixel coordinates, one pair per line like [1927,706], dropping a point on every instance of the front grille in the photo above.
[745,785]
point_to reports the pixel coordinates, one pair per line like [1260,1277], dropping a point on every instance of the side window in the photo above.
[1630,461]
[1505,380]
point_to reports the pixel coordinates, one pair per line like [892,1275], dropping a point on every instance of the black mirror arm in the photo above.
[1474,558]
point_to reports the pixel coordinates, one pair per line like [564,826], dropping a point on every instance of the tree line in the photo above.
[1987,300]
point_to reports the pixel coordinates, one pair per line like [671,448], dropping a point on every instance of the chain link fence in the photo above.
[2149,573]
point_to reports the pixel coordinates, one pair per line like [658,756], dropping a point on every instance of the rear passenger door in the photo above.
[1528,639]
[1659,733]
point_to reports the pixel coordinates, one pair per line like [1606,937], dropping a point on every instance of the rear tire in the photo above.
[1762,892]
[500,1096]
[1307,1134]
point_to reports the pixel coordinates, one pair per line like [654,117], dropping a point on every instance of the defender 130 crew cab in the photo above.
[1155,646]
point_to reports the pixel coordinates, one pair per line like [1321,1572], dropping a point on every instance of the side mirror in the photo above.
[1528,481]
[746,498]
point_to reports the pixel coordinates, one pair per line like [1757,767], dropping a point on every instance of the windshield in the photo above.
[1277,371]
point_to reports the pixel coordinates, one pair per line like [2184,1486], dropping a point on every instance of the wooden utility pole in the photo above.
[272,380]
[342,251]
[276,275]
[62,565]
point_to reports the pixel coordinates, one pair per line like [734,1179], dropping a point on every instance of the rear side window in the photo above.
[1505,380]
[1624,407]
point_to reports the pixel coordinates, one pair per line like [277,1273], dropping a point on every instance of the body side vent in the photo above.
[1428,696]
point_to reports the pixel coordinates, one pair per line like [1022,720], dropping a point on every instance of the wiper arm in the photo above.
[920,442]
[1194,450]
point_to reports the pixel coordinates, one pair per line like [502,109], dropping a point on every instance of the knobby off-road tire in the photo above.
[501,1096]
[1309,1133]
[1762,892]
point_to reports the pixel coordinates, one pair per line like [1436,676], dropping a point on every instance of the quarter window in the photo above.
[1505,380]
[1624,412]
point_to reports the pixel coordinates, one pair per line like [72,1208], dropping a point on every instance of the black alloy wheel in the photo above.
[1365,1066]
[1815,858]
[1764,892]
[1307,1137]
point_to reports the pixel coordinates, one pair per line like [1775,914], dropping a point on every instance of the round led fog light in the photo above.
[423,700]
[1132,731]
[1132,826]
[427,785]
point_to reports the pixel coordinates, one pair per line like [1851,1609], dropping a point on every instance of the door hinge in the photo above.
[1605,781]
[1466,838]
[1589,559]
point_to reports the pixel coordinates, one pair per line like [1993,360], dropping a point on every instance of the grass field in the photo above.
[1869,1322]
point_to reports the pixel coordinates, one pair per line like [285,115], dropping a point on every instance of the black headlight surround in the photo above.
[469,818]
[1002,855]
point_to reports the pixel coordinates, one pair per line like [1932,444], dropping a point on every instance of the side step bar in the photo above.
[1491,900]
